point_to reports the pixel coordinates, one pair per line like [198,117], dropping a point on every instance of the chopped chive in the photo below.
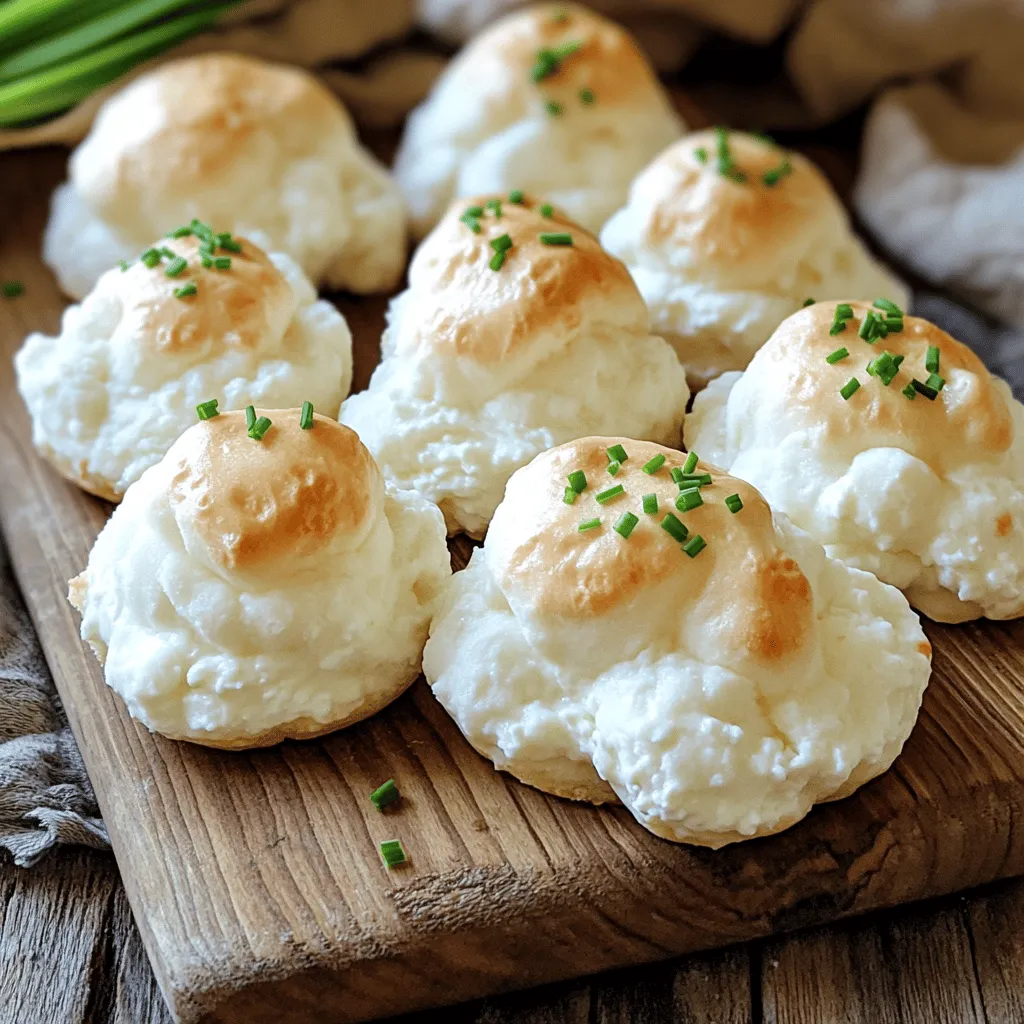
[578,480]
[689,465]
[207,410]
[844,311]
[848,389]
[176,267]
[931,362]
[183,232]
[588,524]
[553,107]
[471,222]
[186,291]
[587,97]
[12,289]
[151,257]
[569,497]
[473,211]
[837,356]
[201,228]
[695,545]
[556,238]
[617,453]
[687,480]
[887,306]
[169,254]
[494,205]
[776,174]
[205,260]
[650,504]
[689,499]
[306,416]
[734,503]
[393,853]
[124,265]
[230,244]
[936,382]
[676,473]
[625,524]
[259,428]
[701,155]
[807,302]
[867,326]
[893,324]
[674,527]
[603,497]
[924,389]
[516,196]
[502,243]
[838,326]
[614,466]
[652,467]
[910,391]
[385,794]
[222,263]
[497,260]
[547,210]
[897,360]
[250,417]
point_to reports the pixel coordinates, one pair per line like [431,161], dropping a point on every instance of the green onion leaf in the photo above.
[502,243]
[588,524]
[186,291]
[931,362]
[250,417]
[927,390]
[734,503]
[807,302]
[587,97]
[848,389]
[259,428]
[617,453]
[689,465]
[838,355]
[471,222]
[306,416]
[701,155]
[910,391]
[687,480]
[650,504]
[625,524]
[393,853]
[603,497]
[613,467]
[689,499]
[176,267]
[569,497]
[674,527]
[578,480]
[695,545]
[547,210]
[385,794]
[516,196]
[497,260]
[12,289]
[887,306]
[207,410]
[652,467]
[936,382]
[222,263]
[494,205]
[556,238]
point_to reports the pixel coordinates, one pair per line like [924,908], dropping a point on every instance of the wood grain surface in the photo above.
[255,880]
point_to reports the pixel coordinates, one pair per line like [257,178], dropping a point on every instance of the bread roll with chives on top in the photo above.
[262,583]
[726,234]
[553,99]
[199,315]
[517,332]
[258,149]
[891,444]
[673,645]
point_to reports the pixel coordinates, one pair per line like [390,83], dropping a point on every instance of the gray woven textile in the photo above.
[45,795]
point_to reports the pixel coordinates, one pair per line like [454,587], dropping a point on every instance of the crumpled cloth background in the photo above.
[940,189]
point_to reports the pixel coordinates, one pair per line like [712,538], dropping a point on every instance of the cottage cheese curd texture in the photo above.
[248,591]
[483,369]
[576,134]
[111,393]
[927,495]
[258,149]
[719,697]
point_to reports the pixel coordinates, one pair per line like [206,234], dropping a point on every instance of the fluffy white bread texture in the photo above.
[927,495]
[719,697]
[483,369]
[250,591]
[255,148]
[111,393]
[488,125]
[721,263]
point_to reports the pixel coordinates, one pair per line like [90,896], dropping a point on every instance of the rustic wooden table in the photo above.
[70,954]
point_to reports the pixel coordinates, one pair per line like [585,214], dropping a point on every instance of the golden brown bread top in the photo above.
[235,308]
[969,419]
[724,221]
[466,309]
[250,502]
[608,60]
[742,587]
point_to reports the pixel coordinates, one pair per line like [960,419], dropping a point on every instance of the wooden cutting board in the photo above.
[255,877]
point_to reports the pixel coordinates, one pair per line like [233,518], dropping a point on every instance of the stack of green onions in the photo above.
[54,53]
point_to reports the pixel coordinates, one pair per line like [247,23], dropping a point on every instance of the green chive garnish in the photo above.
[588,524]
[687,480]
[603,497]
[689,499]
[186,291]
[556,238]
[547,210]
[471,222]
[734,503]
[306,416]
[652,467]
[473,211]
[910,391]
[578,480]
[614,466]
[849,388]
[701,155]
[617,453]
[553,107]
[931,362]
[124,265]
[250,417]
[776,174]
[586,97]
[176,267]
[695,545]
[838,355]
[259,428]
[893,324]
[498,260]
[494,205]
[12,289]
[384,794]
[501,243]
[207,410]
[924,389]
[650,504]
[625,524]
[222,263]
[689,465]
[936,382]
[151,257]
[838,326]
[569,497]
[673,526]
[676,473]
[516,196]
[393,853]
[807,302]
[888,306]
